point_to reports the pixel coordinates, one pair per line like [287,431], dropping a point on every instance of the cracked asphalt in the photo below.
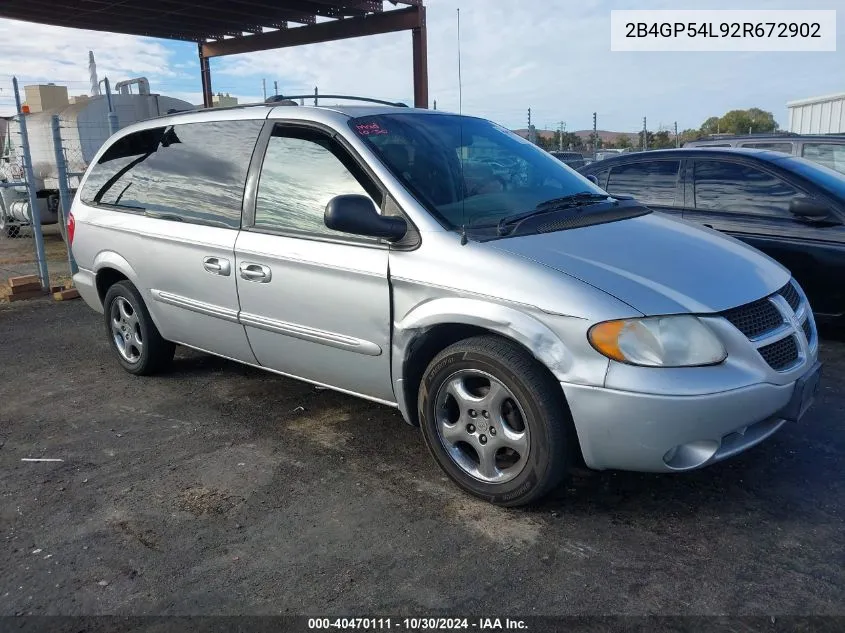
[220,489]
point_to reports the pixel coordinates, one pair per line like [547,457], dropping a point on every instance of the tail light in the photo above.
[71,225]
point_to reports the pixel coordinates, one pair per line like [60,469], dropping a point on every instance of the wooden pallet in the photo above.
[29,287]
[25,287]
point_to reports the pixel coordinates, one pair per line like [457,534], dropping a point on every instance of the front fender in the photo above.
[507,321]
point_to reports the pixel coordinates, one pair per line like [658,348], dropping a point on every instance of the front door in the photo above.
[752,204]
[315,302]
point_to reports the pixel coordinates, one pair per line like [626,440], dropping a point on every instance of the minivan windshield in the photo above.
[470,172]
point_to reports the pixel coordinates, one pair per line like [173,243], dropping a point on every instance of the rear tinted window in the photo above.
[727,186]
[194,172]
[831,155]
[649,181]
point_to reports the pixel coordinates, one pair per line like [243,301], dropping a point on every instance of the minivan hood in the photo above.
[656,264]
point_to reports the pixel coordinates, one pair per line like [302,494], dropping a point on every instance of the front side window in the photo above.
[467,172]
[303,169]
[830,155]
[650,181]
[728,186]
[193,172]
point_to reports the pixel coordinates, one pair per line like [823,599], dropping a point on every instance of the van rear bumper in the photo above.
[85,282]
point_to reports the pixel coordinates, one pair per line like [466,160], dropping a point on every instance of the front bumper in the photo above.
[666,433]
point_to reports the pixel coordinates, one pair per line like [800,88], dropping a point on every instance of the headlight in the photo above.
[668,341]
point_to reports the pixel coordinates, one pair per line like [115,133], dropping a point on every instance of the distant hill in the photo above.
[605,135]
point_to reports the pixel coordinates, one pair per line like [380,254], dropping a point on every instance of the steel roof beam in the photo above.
[373,24]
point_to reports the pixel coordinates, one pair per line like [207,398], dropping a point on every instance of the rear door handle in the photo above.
[217,266]
[255,272]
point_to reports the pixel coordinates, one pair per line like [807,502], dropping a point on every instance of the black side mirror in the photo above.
[809,209]
[356,214]
[593,179]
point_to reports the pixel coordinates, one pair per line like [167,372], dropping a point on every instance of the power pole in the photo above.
[677,140]
[595,134]
[645,135]
[531,135]
[560,138]
[264,88]
[276,88]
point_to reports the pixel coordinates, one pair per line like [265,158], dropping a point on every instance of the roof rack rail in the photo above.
[280,98]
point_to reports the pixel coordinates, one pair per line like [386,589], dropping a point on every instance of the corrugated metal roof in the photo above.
[188,19]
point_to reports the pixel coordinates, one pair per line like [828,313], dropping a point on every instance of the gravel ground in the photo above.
[219,489]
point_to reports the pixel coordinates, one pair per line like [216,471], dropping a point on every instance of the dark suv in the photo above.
[824,149]
[788,207]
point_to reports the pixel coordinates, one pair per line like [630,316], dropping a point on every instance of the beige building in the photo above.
[45,97]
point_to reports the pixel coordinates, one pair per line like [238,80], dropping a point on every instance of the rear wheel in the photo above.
[496,421]
[134,337]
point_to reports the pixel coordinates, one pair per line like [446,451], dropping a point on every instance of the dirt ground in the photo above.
[219,489]
[17,257]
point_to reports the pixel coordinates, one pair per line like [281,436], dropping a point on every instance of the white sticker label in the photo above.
[727,30]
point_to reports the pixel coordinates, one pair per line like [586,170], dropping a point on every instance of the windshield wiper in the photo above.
[575,200]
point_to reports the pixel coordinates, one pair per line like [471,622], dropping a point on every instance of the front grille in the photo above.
[780,354]
[808,329]
[754,319]
[791,295]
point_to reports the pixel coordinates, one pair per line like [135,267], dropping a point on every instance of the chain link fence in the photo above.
[32,227]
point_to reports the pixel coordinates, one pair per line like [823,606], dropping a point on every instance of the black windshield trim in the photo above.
[612,212]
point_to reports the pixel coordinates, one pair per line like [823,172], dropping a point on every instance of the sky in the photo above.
[550,55]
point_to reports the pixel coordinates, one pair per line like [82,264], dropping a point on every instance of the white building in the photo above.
[817,115]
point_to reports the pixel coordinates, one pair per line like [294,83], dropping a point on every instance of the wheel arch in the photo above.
[434,325]
[110,268]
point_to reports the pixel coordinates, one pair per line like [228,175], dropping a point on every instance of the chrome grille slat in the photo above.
[771,324]
[808,330]
[791,295]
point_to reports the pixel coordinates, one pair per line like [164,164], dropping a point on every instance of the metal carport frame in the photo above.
[229,27]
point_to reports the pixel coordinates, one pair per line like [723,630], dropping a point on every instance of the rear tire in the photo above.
[496,421]
[134,337]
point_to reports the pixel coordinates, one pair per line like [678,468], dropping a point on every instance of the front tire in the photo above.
[496,421]
[133,336]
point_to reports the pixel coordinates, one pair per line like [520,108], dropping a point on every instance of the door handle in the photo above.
[255,272]
[217,266]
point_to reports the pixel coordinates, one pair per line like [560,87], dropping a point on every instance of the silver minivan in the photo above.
[525,320]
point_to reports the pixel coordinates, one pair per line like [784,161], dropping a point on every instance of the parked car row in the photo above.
[824,149]
[790,208]
[523,318]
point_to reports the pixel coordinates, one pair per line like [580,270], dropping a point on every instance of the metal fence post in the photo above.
[113,122]
[34,214]
[64,190]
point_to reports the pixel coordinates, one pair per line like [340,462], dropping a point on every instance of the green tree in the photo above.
[689,135]
[661,140]
[710,126]
[748,121]
[650,139]
[753,120]
[623,141]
